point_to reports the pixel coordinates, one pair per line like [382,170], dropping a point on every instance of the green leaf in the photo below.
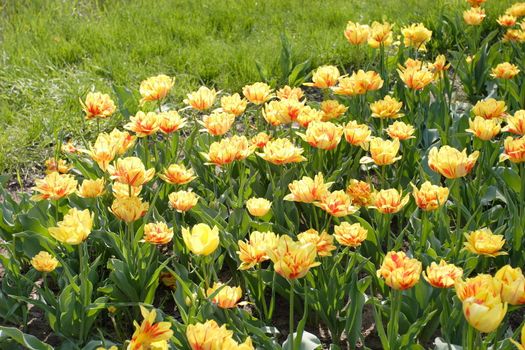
[28,341]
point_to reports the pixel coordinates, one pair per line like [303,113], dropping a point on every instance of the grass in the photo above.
[53,52]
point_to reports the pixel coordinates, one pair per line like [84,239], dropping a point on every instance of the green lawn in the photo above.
[52,52]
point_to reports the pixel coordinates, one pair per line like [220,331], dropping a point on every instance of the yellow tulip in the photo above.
[388,107]
[258,206]
[430,197]
[380,35]
[227,297]
[202,99]
[260,140]
[74,228]
[217,123]
[129,209]
[505,70]
[44,262]
[257,93]
[207,336]
[255,250]
[512,285]
[484,242]
[323,135]
[91,188]
[416,35]
[516,10]
[177,174]
[290,109]
[233,104]
[54,186]
[389,201]
[150,334]
[490,109]
[201,239]
[359,83]
[290,93]
[514,150]
[228,150]
[337,204]
[308,115]
[439,67]
[482,304]
[356,33]
[182,201]
[282,151]
[155,88]
[323,242]
[274,114]
[98,105]
[143,124]
[450,162]
[292,259]
[506,20]
[60,166]
[308,190]
[230,344]
[157,233]
[516,123]
[416,78]
[484,129]
[357,134]
[122,140]
[401,131]
[332,109]
[474,16]
[399,271]
[170,121]
[124,190]
[360,192]
[350,235]
[382,152]
[443,275]
[324,77]
[514,35]
[130,171]
[103,151]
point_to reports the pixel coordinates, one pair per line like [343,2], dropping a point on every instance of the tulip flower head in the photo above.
[57,165]
[388,107]
[307,115]
[514,150]
[517,9]
[290,93]
[484,129]
[490,109]
[506,20]
[357,134]
[323,135]
[177,174]
[356,33]
[324,77]
[122,140]
[512,285]
[399,271]
[74,228]
[182,201]
[474,16]
[44,262]
[482,304]
[505,70]
[337,204]
[308,190]
[332,109]
[202,99]
[400,130]
[201,239]
[484,242]
[217,123]
[143,124]
[54,186]
[155,88]
[282,151]
[170,121]
[442,275]
[224,296]
[322,241]
[130,171]
[91,188]
[292,259]
[158,233]
[129,209]
[233,104]
[389,201]
[350,235]
[416,36]
[360,192]
[382,152]
[150,334]
[450,162]
[98,105]
[516,123]
[430,197]
[258,206]
[257,93]
[380,35]
[255,250]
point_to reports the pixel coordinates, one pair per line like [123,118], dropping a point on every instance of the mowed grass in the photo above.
[53,52]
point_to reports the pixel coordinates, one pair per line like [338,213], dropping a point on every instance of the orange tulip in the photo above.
[399,271]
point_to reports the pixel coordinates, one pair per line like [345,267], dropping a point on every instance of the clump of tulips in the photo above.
[248,220]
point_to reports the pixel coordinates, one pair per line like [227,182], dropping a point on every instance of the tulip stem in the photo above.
[393,325]
[424,230]
[262,300]
[291,314]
